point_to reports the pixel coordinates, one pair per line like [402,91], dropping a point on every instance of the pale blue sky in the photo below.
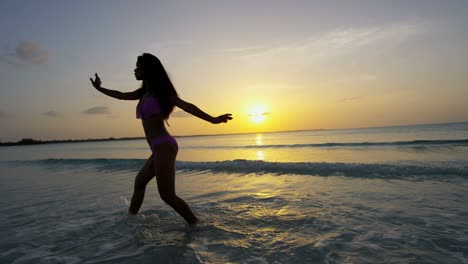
[312,64]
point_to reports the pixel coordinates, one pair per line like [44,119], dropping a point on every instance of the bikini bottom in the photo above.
[162,139]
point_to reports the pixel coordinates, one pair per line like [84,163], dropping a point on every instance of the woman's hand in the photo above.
[96,82]
[222,119]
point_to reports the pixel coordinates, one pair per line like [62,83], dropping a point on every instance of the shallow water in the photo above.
[351,206]
[79,216]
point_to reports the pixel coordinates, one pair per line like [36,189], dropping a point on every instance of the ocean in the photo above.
[368,195]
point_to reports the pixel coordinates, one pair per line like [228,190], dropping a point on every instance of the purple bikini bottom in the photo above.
[162,139]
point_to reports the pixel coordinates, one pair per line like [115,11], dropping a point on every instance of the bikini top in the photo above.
[148,107]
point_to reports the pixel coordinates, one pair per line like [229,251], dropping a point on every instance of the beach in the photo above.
[390,195]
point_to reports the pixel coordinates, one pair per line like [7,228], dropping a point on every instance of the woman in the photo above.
[157,98]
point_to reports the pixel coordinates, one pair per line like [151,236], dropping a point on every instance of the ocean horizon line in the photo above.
[31,141]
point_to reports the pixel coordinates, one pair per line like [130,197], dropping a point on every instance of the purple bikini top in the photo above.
[147,108]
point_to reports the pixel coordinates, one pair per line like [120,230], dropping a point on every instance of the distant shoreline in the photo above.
[30,141]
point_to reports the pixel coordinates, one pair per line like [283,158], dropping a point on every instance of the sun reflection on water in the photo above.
[260,155]
[258,142]
[258,139]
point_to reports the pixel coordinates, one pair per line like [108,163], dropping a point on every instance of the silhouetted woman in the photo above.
[157,98]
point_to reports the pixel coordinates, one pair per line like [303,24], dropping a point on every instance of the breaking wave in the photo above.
[359,170]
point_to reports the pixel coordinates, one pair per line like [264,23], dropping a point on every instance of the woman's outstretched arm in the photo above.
[194,110]
[135,95]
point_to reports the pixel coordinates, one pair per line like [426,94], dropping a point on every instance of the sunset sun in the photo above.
[258,113]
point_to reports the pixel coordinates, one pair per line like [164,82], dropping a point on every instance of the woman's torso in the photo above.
[154,128]
[150,112]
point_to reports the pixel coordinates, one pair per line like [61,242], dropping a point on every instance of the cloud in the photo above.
[260,114]
[351,99]
[111,116]
[5,115]
[8,59]
[330,44]
[26,52]
[52,113]
[97,110]
[31,52]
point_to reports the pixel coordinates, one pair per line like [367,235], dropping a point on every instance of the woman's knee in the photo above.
[168,197]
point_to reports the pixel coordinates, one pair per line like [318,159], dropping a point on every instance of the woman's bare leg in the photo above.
[141,180]
[164,165]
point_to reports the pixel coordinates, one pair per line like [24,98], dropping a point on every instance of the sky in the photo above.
[274,65]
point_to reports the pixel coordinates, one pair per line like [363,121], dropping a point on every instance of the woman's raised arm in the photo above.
[135,95]
[194,110]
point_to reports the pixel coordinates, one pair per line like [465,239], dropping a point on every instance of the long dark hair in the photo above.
[156,79]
